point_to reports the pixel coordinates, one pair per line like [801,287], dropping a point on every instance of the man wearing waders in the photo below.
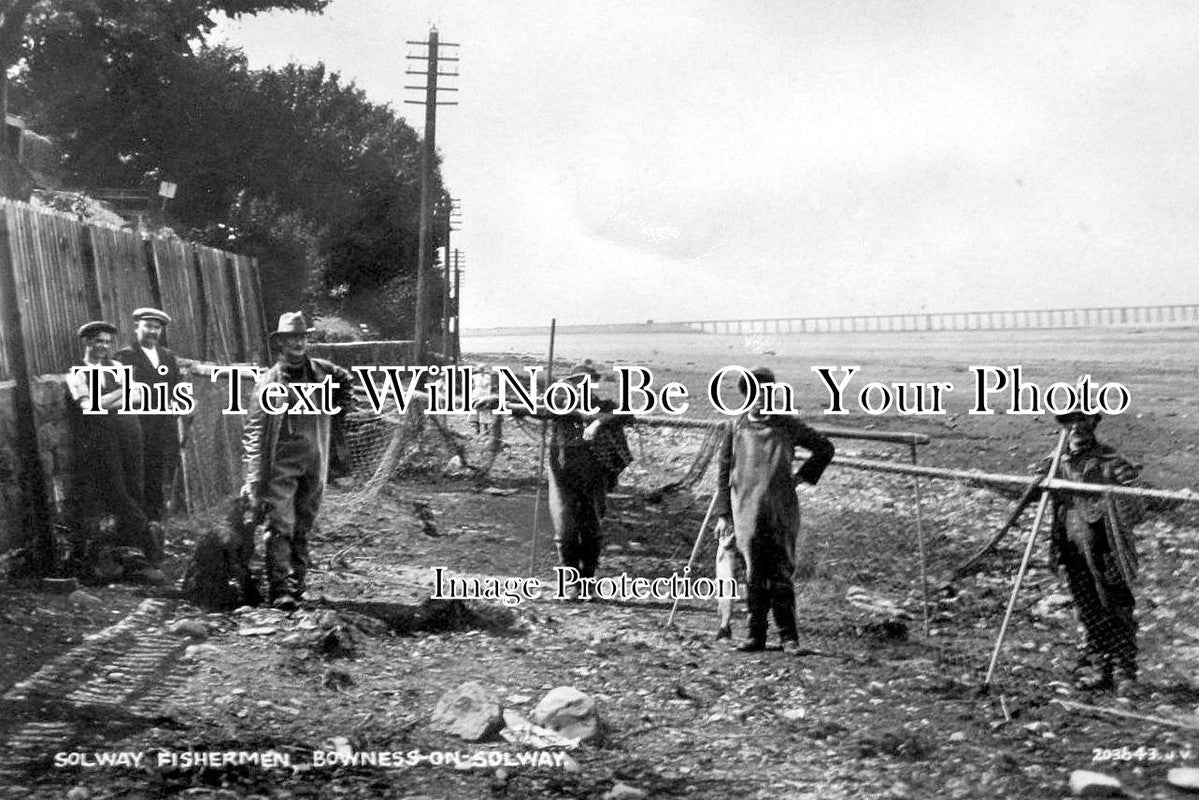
[586,459]
[287,457]
[757,511]
[1092,542]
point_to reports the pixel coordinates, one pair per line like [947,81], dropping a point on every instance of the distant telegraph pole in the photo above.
[431,72]
[451,213]
[457,307]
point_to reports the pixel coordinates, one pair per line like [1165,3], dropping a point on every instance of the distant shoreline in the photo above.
[566,330]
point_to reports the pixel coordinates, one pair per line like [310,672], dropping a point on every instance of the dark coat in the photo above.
[260,436]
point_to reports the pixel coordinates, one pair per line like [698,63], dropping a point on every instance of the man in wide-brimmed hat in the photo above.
[1091,541]
[757,513]
[156,365]
[287,458]
[106,464]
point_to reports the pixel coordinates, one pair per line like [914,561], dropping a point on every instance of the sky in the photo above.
[693,159]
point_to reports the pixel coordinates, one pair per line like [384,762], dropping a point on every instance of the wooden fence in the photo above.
[57,272]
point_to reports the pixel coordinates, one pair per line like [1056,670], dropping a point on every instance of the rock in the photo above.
[468,712]
[1084,783]
[194,651]
[957,736]
[189,627]
[79,793]
[1052,605]
[60,585]
[262,630]
[622,791]
[82,598]
[569,712]
[519,730]
[1184,778]
[337,679]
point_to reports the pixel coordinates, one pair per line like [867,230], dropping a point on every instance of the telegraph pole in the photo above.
[432,60]
[457,308]
[451,213]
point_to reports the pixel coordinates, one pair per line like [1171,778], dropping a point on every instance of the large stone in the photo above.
[1184,778]
[192,628]
[468,712]
[1085,783]
[622,791]
[569,712]
[82,598]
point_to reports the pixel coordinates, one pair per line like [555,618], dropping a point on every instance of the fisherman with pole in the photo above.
[1091,541]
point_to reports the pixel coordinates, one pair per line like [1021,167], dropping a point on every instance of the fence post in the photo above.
[32,480]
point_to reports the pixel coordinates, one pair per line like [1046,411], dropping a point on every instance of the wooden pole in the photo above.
[920,543]
[703,527]
[1032,538]
[974,560]
[549,378]
[428,165]
[1002,479]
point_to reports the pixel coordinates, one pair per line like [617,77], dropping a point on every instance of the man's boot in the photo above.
[1124,677]
[1097,677]
[783,607]
[755,641]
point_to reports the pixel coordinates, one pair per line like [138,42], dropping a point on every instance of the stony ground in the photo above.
[880,705]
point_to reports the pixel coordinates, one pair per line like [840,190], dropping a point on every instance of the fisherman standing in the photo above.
[757,512]
[106,464]
[155,365]
[287,457]
[1092,543]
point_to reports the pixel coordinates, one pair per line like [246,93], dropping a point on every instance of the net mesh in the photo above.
[860,545]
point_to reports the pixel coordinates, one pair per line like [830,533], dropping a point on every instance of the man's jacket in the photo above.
[144,371]
[260,436]
[1115,516]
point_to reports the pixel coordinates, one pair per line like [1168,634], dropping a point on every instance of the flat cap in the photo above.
[90,329]
[151,313]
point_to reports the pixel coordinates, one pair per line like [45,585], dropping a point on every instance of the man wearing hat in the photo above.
[1091,541]
[586,459]
[757,513]
[287,458]
[106,473]
[155,365]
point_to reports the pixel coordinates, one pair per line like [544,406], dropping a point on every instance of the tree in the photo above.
[293,165]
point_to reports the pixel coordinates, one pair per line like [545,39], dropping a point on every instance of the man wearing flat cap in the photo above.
[154,365]
[106,471]
[287,458]
[1091,541]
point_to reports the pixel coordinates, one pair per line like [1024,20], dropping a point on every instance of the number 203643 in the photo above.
[1150,754]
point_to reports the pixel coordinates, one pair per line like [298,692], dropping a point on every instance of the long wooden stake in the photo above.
[703,526]
[920,544]
[1190,725]
[1001,479]
[1032,538]
[549,378]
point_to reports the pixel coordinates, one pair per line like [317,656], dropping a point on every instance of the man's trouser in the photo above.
[768,553]
[1105,602]
[293,497]
[160,446]
[576,517]
[107,476]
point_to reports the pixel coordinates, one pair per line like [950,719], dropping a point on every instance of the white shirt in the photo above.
[78,383]
[152,354]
